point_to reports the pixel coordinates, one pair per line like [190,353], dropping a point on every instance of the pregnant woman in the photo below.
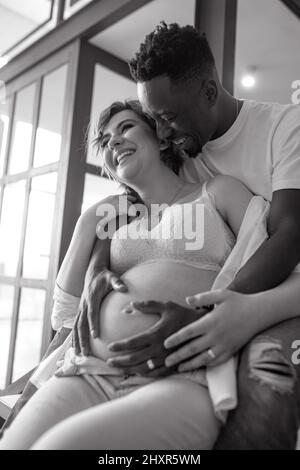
[163,255]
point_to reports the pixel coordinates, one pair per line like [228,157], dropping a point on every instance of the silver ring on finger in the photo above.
[150,364]
[211,354]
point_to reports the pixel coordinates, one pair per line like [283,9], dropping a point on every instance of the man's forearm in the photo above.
[278,304]
[270,265]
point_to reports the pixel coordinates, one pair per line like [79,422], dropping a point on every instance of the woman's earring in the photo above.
[164,144]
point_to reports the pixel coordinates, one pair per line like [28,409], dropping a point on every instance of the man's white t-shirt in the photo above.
[261,149]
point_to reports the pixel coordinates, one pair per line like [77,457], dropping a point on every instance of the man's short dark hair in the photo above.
[180,52]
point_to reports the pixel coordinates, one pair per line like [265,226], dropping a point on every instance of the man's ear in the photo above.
[211,91]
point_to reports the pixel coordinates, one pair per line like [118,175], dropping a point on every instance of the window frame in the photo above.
[35,34]
[70,10]
[36,75]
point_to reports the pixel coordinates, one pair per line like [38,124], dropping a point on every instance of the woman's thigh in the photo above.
[58,399]
[167,414]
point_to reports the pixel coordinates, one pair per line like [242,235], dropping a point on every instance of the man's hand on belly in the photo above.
[147,348]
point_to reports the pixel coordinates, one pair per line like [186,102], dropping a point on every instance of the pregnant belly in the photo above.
[158,280]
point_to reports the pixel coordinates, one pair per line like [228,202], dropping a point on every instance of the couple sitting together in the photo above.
[160,317]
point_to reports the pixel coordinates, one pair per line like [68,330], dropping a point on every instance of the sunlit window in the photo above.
[39,227]
[97,188]
[19,19]
[33,122]
[29,334]
[22,130]
[108,87]
[10,227]
[48,135]
[6,306]
[4,121]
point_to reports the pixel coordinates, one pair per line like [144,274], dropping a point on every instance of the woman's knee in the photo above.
[58,399]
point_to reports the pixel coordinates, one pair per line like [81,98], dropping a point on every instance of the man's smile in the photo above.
[188,143]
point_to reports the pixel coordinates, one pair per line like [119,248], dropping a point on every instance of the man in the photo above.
[259,144]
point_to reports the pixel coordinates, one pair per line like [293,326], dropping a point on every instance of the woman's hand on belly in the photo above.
[139,349]
[87,320]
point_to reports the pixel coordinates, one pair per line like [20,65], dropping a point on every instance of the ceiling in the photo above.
[35,10]
[268,38]
[17,19]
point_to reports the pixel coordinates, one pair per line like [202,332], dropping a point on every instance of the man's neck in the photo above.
[228,109]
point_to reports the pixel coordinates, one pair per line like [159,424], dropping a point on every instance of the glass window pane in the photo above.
[22,130]
[10,227]
[48,135]
[6,306]
[39,226]
[123,37]
[97,188]
[72,6]
[30,329]
[272,56]
[18,19]
[108,87]
[4,121]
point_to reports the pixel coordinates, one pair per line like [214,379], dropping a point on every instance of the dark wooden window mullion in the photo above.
[110,61]
[217,18]
[229,45]
[92,169]
[76,165]
[293,5]
[16,304]
[60,11]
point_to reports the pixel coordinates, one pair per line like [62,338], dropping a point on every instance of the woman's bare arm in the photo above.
[74,267]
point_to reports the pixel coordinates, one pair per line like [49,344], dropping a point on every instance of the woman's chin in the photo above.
[127,171]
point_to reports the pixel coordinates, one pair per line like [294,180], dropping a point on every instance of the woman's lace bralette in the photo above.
[191,231]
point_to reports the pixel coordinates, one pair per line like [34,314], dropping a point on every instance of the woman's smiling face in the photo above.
[128,146]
